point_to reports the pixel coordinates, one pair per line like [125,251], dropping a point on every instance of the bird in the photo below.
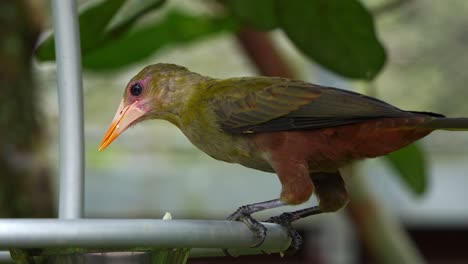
[303,132]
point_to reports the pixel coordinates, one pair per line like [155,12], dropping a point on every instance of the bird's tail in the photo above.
[446,123]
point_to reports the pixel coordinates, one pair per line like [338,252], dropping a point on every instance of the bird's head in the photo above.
[156,92]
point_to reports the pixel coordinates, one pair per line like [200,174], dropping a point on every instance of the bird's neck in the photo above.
[190,87]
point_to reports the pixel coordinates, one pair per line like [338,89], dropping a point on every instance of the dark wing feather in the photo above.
[265,104]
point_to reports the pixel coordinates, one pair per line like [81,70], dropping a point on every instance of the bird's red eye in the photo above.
[136,89]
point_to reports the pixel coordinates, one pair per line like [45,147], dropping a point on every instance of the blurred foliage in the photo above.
[175,28]
[410,164]
[106,255]
[105,47]
[337,34]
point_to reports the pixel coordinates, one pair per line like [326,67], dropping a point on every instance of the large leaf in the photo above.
[175,28]
[338,34]
[257,13]
[101,21]
[410,164]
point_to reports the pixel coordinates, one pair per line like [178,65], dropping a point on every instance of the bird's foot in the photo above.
[243,214]
[285,220]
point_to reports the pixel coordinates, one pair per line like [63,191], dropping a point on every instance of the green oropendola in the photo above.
[301,131]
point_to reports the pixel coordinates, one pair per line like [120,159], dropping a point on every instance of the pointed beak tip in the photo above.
[108,138]
[124,117]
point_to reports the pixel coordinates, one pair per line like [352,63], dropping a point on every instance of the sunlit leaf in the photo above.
[131,12]
[338,34]
[410,165]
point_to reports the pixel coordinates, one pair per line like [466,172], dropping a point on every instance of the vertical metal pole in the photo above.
[70,95]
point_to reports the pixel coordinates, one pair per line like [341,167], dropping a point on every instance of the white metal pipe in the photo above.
[5,257]
[128,233]
[70,95]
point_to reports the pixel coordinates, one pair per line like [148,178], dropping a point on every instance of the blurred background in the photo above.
[152,168]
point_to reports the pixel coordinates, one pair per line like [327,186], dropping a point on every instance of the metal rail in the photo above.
[70,92]
[5,257]
[128,233]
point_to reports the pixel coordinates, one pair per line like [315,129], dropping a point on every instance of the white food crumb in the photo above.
[167,216]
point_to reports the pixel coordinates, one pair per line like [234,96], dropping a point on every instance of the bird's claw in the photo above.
[285,220]
[259,230]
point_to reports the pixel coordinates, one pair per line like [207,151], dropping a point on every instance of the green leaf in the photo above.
[338,34]
[410,164]
[92,21]
[175,28]
[101,21]
[259,14]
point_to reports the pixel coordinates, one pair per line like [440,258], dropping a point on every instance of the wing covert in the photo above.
[249,101]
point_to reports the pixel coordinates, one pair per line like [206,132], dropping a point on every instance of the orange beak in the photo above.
[124,117]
